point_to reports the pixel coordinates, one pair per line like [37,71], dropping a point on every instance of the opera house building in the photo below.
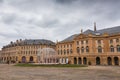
[90,47]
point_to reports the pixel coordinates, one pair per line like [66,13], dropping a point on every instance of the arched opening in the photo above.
[60,60]
[23,59]
[79,61]
[31,59]
[97,61]
[66,60]
[75,60]
[116,61]
[85,60]
[109,61]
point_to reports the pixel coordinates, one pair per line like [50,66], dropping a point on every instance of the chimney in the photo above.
[94,26]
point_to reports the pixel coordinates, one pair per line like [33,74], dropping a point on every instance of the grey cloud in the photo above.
[65,1]
[9,35]
[36,18]
[1,1]
[8,19]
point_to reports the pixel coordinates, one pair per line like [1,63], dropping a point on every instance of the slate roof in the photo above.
[113,30]
[89,31]
[31,41]
[70,38]
[38,41]
[110,31]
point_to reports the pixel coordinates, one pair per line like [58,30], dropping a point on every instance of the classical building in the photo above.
[24,50]
[91,47]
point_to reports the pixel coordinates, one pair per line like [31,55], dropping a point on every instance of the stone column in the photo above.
[112,60]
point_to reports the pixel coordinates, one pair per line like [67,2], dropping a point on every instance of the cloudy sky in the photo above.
[54,19]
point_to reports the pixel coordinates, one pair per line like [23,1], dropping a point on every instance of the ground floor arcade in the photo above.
[28,59]
[91,60]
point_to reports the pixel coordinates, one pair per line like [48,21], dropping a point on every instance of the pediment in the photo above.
[80,36]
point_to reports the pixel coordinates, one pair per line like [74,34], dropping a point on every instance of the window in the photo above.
[67,45]
[87,49]
[99,49]
[86,41]
[111,41]
[82,49]
[77,42]
[82,42]
[64,46]
[71,51]
[61,46]
[78,50]
[117,40]
[61,52]
[67,51]
[70,45]
[99,41]
[64,51]
[118,48]
[111,48]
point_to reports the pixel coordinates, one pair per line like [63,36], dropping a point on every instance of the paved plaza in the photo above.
[10,72]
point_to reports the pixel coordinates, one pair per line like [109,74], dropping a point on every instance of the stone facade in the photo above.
[100,47]
[24,50]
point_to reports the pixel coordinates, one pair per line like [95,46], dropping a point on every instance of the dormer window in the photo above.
[97,34]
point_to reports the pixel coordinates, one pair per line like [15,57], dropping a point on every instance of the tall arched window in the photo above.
[58,52]
[67,51]
[111,48]
[64,51]
[71,51]
[118,48]
[87,49]
[61,52]
[78,50]
[82,49]
[99,49]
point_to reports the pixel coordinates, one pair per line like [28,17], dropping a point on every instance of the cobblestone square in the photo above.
[10,72]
